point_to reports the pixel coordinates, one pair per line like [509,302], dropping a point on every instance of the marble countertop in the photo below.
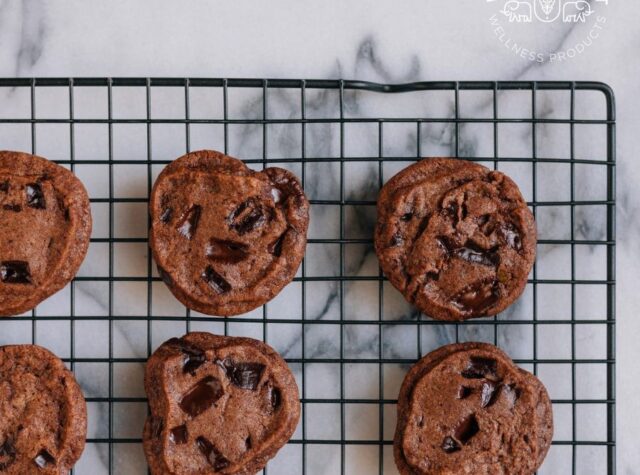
[381,41]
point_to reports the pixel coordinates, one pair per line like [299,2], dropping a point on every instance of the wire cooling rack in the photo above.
[345,332]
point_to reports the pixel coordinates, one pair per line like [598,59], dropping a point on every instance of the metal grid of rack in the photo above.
[55,117]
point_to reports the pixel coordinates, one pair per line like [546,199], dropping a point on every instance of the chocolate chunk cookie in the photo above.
[456,238]
[44,416]
[46,226]
[226,239]
[467,408]
[218,405]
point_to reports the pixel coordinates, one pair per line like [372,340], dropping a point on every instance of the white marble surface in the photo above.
[380,41]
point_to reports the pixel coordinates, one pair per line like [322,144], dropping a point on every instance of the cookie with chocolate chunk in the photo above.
[455,238]
[44,415]
[226,239]
[467,408]
[218,405]
[46,226]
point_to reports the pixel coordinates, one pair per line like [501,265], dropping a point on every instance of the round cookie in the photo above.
[455,238]
[218,405]
[226,239]
[44,415]
[46,226]
[467,408]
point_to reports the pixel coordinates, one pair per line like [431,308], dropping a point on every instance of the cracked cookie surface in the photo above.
[218,405]
[226,239]
[455,238]
[46,227]
[44,416]
[467,408]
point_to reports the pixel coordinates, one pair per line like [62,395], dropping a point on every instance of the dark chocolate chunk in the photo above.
[15,272]
[445,245]
[243,375]
[221,250]
[449,445]
[7,453]
[247,216]
[202,396]
[488,393]
[451,208]
[511,393]
[482,220]
[189,221]
[213,455]
[432,276]
[275,398]
[44,459]
[463,211]
[511,236]
[157,424]
[4,186]
[463,392]
[466,429]
[477,298]
[396,240]
[477,256]
[166,215]
[12,207]
[193,358]
[215,280]
[192,361]
[179,435]
[35,196]
[478,368]
[181,344]
[276,194]
[275,247]
[424,222]
[453,212]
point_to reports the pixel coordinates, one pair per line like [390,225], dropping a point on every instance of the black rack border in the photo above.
[342,86]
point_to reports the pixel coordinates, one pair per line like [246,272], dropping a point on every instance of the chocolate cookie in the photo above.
[46,226]
[218,405]
[226,239]
[467,408]
[44,416]
[456,238]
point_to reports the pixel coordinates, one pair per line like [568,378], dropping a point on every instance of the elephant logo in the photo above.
[514,21]
[547,11]
[518,11]
[574,12]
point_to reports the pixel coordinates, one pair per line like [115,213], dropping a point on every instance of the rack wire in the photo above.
[116,311]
